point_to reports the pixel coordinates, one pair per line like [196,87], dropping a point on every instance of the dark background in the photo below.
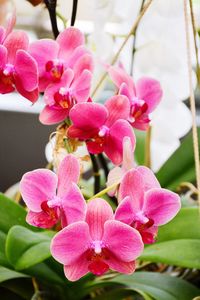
[22,144]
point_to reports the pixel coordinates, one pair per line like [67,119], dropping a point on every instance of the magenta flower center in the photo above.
[138,108]
[64,98]
[52,212]
[55,69]
[97,256]
[7,77]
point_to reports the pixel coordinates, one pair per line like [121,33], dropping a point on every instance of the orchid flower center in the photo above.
[141,222]
[138,108]
[51,207]
[7,77]
[99,138]
[97,256]
[64,98]
[55,69]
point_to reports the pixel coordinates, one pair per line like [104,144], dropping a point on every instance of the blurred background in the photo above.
[158,50]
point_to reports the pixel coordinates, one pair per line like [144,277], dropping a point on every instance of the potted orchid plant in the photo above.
[97,223]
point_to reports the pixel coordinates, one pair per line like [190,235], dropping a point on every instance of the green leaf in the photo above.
[180,166]
[11,214]
[7,274]
[25,248]
[3,260]
[186,225]
[159,286]
[178,241]
[183,253]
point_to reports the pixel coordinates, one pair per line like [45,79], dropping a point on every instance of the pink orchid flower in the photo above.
[54,57]
[102,127]
[97,244]
[18,70]
[144,96]
[116,174]
[145,205]
[52,197]
[73,87]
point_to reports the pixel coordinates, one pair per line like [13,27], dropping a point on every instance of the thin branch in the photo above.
[74,11]
[103,164]
[96,173]
[131,32]
[134,41]
[192,100]
[51,6]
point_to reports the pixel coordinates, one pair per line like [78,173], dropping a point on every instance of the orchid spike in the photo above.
[54,57]
[18,70]
[116,174]
[144,204]
[73,87]
[102,127]
[144,96]
[97,244]
[50,197]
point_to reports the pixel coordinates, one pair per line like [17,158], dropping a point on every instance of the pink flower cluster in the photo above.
[92,238]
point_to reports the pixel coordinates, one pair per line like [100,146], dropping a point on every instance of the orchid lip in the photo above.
[103,131]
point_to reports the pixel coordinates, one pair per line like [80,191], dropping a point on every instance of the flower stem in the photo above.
[74,11]
[104,165]
[95,173]
[148,148]
[104,191]
[51,6]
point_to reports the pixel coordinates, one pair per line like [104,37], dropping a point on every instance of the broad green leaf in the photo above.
[25,248]
[7,274]
[45,273]
[183,253]
[186,225]
[3,260]
[159,286]
[11,214]
[180,166]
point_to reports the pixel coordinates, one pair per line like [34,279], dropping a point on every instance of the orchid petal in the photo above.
[81,86]
[98,212]
[114,142]
[128,156]
[15,41]
[150,91]
[77,269]
[43,51]
[49,115]
[125,211]
[38,186]
[122,240]
[69,40]
[31,96]
[73,206]
[119,76]
[81,114]
[68,172]
[26,68]
[70,243]
[121,266]
[132,185]
[85,62]
[118,108]
[40,219]
[114,176]
[149,179]
[3,56]
[161,205]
